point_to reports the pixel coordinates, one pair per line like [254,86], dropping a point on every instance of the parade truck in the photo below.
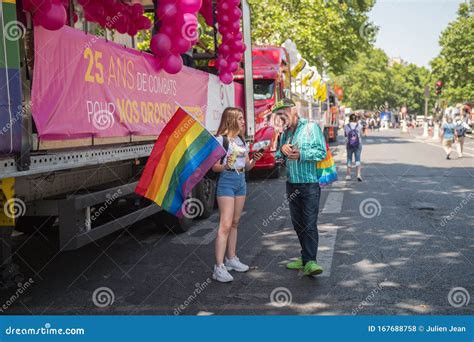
[333,114]
[271,83]
[79,116]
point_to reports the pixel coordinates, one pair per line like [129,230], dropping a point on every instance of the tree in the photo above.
[329,34]
[367,82]
[372,82]
[408,84]
[455,63]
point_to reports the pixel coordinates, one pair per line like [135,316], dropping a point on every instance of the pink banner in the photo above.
[85,86]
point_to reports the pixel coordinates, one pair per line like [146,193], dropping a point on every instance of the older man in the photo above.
[301,145]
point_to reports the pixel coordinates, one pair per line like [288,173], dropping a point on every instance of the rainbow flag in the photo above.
[326,169]
[183,153]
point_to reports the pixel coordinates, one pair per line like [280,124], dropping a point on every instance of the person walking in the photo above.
[447,135]
[460,129]
[300,146]
[231,191]
[352,132]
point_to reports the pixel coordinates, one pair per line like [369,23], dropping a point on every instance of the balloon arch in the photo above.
[178,28]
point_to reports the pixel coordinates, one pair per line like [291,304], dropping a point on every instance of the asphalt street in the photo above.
[400,242]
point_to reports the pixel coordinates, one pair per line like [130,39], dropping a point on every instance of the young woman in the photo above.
[447,135]
[231,191]
[352,132]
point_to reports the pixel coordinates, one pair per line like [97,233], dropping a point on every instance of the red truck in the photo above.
[272,82]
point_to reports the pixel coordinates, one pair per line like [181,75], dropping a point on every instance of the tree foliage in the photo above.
[329,33]
[455,63]
[372,82]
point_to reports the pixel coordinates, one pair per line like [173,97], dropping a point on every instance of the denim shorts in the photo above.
[231,184]
[356,152]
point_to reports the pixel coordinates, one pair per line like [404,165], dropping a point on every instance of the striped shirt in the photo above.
[312,146]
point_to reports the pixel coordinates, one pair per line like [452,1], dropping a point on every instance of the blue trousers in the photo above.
[304,209]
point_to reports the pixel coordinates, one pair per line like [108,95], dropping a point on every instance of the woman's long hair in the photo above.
[230,122]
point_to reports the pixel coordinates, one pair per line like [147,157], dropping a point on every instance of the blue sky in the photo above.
[410,28]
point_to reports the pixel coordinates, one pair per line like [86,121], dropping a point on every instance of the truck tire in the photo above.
[176,225]
[31,224]
[205,194]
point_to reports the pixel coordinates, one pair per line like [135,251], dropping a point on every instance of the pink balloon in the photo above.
[206,12]
[232,67]
[190,6]
[223,29]
[235,26]
[27,6]
[55,18]
[237,46]
[227,37]
[143,23]
[121,24]
[160,44]
[180,44]
[233,3]
[226,77]
[167,12]
[108,4]
[137,10]
[235,14]
[235,57]
[190,32]
[239,36]
[221,63]
[95,11]
[41,7]
[119,8]
[223,7]
[223,19]
[172,64]
[224,50]
[132,29]
[168,29]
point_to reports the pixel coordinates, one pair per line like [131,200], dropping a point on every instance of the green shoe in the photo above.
[312,268]
[295,265]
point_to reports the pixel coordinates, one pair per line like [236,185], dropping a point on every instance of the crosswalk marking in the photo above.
[333,203]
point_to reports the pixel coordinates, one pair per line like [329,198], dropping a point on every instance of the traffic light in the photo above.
[439,87]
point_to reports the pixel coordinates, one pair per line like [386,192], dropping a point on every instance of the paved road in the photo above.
[397,243]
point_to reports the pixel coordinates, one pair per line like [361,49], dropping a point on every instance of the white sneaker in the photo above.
[235,264]
[348,178]
[221,274]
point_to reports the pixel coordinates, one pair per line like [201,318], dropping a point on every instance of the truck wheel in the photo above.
[205,194]
[176,225]
[30,224]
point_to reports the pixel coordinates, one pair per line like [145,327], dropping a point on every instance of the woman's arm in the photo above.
[218,167]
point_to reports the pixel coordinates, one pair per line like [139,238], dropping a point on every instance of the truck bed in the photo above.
[44,162]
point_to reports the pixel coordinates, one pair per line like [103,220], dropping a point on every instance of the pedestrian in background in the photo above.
[460,129]
[447,136]
[301,145]
[231,191]
[352,132]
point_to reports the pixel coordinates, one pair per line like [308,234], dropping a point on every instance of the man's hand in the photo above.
[295,155]
[287,149]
